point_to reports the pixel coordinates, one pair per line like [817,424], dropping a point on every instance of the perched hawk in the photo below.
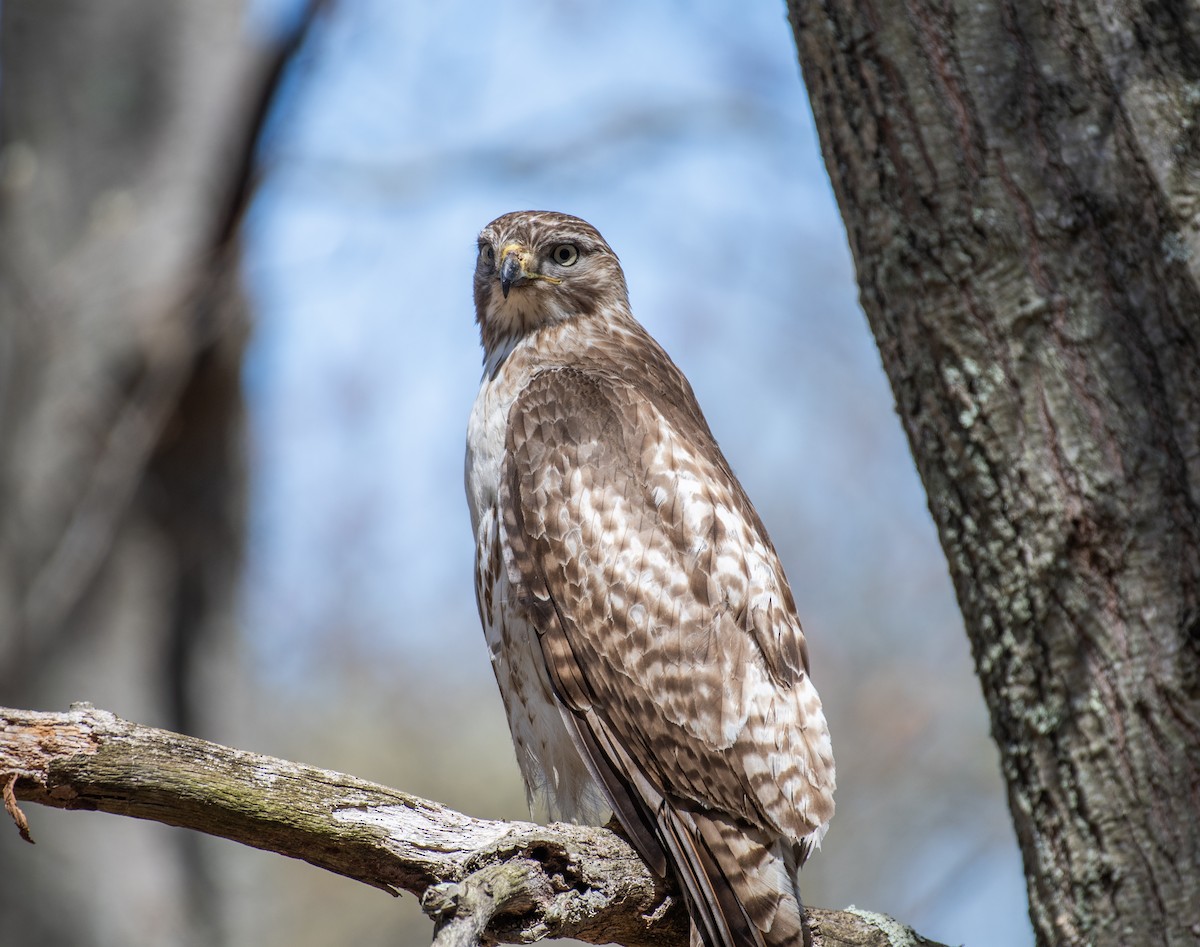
[641,628]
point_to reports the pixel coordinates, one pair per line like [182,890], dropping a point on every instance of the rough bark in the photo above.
[513,882]
[1019,185]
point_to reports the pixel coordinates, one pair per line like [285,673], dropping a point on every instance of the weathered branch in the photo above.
[513,882]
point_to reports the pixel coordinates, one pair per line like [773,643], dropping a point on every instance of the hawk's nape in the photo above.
[641,628]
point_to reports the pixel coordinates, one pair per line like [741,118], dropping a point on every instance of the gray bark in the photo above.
[1019,185]
[507,882]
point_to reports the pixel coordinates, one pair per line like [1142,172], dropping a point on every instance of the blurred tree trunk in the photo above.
[122,132]
[1019,182]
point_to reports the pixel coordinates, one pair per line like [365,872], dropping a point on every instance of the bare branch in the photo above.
[481,880]
[13,810]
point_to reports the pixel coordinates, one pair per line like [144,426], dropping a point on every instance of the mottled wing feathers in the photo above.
[670,637]
[660,602]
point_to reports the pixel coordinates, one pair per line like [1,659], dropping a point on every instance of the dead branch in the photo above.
[481,881]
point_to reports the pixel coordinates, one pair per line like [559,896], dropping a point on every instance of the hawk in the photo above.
[642,631]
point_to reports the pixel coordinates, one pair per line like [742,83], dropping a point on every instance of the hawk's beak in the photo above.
[512,268]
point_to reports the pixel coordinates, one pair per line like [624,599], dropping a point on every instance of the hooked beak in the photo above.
[516,266]
[512,270]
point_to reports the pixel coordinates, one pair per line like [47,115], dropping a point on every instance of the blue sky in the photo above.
[683,133]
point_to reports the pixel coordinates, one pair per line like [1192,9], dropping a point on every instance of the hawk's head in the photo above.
[538,268]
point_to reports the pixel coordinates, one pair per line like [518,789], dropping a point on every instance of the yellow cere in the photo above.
[525,257]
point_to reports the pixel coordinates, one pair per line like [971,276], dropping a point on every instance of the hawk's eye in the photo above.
[487,253]
[564,254]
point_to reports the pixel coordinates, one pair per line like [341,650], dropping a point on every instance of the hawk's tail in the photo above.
[741,881]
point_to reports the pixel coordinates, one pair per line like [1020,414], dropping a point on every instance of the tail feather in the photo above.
[740,880]
[761,871]
[718,919]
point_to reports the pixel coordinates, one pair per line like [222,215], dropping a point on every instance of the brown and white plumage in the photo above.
[640,625]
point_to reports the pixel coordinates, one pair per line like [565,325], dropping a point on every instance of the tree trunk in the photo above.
[122,128]
[1019,185]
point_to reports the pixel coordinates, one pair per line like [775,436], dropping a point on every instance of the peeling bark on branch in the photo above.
[481,880]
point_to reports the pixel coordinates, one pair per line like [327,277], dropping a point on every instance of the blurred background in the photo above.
[237,355]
